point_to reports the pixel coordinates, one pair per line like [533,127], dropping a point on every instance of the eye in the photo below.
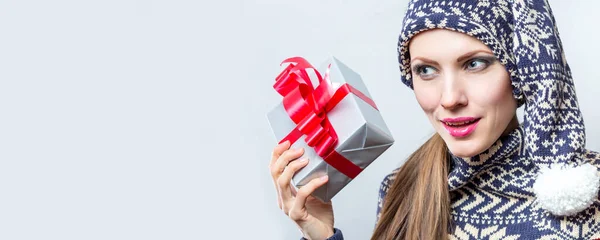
[477,64]
[425,72]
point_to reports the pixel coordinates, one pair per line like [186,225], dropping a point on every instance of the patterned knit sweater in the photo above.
[496,202]
[500,193]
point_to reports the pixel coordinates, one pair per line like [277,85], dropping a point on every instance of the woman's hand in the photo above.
[313,217]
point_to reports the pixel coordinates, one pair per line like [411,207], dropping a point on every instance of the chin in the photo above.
[464,148]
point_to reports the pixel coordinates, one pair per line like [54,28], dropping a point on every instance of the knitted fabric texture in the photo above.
[513,190]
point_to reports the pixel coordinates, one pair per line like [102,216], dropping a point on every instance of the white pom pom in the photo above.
[565,191]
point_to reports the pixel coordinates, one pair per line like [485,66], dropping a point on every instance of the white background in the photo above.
[137,119]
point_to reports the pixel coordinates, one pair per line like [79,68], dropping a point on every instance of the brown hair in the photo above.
[417,205]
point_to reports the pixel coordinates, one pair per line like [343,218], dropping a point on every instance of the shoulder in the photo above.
[387,182]
[592,156]
[383,190]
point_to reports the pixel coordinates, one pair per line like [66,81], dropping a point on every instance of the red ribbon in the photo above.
[308,106]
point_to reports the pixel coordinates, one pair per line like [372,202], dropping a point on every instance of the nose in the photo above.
[453,94]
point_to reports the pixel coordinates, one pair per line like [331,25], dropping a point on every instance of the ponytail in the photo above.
[417,205]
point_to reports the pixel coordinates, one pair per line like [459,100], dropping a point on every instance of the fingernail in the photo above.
[303,160]
[323,178]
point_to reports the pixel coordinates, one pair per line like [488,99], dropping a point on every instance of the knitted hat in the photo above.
[524,37]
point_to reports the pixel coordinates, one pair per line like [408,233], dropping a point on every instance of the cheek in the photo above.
[492,90]
[495,96]
[488,96]
[427,97]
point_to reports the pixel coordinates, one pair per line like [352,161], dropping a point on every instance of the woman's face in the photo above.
[463,89]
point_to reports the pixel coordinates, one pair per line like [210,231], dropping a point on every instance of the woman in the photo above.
[471,64]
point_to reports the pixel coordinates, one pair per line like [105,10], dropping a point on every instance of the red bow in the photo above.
[308,106]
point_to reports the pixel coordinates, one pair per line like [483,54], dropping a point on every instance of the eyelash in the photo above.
[418,68]
[485,61]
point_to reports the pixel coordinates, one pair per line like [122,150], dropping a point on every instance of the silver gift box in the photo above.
[362,133]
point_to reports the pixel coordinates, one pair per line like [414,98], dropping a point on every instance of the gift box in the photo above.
[333,117]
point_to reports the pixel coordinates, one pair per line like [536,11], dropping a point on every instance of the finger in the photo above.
[278,150]
[298,211]
[293,190]
[283,160]
[283,182]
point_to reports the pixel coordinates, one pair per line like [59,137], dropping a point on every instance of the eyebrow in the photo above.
[470,54]
[460,59]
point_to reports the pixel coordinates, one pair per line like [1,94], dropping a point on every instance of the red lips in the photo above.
[461,126]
